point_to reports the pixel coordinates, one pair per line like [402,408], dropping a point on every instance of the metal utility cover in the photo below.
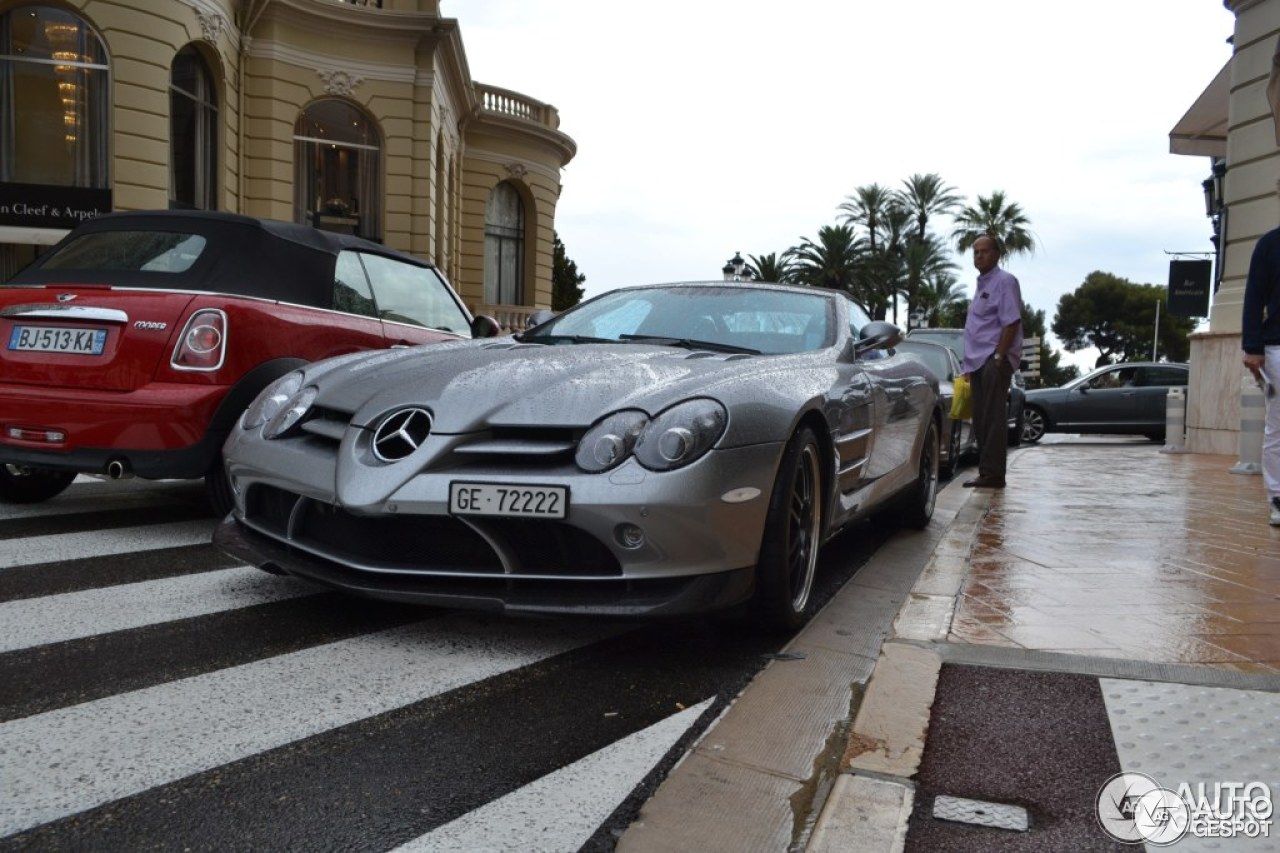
[995,815]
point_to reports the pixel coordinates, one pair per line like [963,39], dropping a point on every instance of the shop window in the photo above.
[504,247]
[336,149]
[193,133]
[54,113]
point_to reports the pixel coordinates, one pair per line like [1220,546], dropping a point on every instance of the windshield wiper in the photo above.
[561,339]
[690,343]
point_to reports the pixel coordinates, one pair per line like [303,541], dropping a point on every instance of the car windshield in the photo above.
[933,357]
[952,339]
[736,319]
[148,251]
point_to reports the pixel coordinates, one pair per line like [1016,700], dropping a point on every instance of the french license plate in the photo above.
[57,339]
[508,501]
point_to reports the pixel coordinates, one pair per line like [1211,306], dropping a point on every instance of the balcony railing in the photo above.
[504,102]
[512,318]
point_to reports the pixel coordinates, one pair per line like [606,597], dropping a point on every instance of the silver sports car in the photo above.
[655,450]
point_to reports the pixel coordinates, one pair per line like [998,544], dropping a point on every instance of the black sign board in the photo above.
[1189,288]
[48,206]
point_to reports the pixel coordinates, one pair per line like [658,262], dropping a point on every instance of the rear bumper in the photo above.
[159,431]
[608,597]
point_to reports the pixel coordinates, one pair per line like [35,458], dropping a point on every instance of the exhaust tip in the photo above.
[118,469]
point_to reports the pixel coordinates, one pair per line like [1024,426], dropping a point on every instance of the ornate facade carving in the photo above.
[338,82]
[517,170]
[212,25]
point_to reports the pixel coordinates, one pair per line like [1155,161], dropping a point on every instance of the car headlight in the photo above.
[292,412]
[681,434]
[271,400]
[610,441]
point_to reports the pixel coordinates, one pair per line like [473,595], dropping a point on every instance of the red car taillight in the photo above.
[203,344]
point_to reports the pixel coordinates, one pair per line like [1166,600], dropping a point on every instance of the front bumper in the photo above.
[702,526]
[567,596]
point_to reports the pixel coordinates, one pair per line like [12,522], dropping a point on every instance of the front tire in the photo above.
[20,484]
[918,506]
[948,470]
[1034,425]
[792,536]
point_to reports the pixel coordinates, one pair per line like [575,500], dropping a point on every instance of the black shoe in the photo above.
[984,483]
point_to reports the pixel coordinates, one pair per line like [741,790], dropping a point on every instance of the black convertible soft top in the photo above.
[244,256]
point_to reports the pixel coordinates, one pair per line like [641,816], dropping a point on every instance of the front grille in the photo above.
[427,543]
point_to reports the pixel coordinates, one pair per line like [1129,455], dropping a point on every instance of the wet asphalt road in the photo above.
[155,695]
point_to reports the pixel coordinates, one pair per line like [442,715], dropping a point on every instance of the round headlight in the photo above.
[610,441]
[292,412]
[681,434]
[271,400]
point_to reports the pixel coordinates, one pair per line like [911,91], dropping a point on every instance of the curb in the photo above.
[872,799]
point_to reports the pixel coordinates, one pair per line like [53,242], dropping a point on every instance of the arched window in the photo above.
[193,133]
[504,247]
[54,114]
[336,149]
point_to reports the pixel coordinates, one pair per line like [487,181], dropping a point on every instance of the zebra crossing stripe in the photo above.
[559,812]
[71,616]
[66,761]
[100,543]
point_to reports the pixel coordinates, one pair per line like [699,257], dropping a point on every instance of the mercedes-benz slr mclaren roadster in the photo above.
[656,450]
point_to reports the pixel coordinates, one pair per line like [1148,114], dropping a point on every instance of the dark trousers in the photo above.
[990,387]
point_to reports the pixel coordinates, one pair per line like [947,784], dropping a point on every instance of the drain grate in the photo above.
[995,815]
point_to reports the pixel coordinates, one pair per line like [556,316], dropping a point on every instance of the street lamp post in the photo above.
[735,269]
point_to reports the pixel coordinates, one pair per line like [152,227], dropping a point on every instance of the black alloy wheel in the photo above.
[792,536]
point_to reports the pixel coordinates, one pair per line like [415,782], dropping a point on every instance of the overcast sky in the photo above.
[706,127]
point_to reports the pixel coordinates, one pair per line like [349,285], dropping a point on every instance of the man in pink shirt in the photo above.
[992,349]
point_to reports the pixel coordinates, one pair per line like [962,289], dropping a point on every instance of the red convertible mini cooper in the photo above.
[133,345]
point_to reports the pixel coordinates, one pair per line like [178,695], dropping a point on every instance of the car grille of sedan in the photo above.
[427,543]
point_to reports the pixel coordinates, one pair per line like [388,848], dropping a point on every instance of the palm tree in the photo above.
[939,294]
[924,260]
[925,196]
[835,262]
[997,218]
[780,269]
[867,207]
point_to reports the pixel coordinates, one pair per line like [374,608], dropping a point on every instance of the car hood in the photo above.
[476,384]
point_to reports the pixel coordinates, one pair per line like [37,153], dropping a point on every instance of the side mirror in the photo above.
[877,334]
[484,326]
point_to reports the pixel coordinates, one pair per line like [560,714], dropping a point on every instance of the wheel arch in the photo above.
[247,388]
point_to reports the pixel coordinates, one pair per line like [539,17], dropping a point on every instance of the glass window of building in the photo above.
[504,247]
[336,149]
[54,113]
[193,135]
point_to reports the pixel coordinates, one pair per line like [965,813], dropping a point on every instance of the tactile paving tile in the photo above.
[979,813]
[1178,733]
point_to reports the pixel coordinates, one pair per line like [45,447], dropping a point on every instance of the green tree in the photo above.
[994,216]
[868,207]
[773,267]
[835,261]
[923,260]
[566,281]
[1118,317]
[923,196]
[938,296]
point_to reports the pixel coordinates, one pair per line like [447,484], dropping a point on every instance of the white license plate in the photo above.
[57,339]
[508,501]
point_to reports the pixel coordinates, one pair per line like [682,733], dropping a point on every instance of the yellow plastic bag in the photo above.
[961,399]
